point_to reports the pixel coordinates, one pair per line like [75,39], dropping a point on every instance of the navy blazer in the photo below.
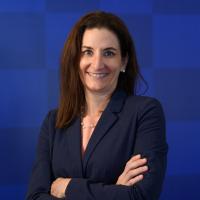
[129,125]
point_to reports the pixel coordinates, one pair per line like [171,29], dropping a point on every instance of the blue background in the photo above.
[32,33]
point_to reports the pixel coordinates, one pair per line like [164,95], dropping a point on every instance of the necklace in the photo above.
[89,126]
[84,126]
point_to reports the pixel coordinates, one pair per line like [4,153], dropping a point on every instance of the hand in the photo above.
[59,186]
[133,171]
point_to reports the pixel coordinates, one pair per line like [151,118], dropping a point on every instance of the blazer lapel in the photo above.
[74,147]
[108,118]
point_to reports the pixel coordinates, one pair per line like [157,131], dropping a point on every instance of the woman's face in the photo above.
[101,61]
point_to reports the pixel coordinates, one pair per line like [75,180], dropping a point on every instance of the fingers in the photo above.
[135,180]
[136,157]
[136,172]
[135,162]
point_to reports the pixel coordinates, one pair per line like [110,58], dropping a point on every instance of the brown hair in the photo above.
[72,96]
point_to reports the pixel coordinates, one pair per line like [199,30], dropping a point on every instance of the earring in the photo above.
[123,70]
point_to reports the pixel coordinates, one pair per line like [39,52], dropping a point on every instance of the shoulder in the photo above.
[50,119]
[47,129]
[52,114]
[142,101]
[143,104]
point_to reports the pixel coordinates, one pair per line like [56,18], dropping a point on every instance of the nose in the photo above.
[98,62]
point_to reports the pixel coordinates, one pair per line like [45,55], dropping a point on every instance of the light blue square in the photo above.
[176,41]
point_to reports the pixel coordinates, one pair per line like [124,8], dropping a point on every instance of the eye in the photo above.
[108,53]
[87,52]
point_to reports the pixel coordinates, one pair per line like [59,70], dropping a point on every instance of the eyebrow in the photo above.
[107,48]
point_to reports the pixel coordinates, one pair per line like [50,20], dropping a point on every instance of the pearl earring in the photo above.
[123,70]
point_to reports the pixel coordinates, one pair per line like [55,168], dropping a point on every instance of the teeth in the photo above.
[97,75]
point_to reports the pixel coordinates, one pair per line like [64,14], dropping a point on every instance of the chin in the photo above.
[102,90]
[97,90]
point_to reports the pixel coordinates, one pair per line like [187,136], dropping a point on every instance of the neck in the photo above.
[96,103]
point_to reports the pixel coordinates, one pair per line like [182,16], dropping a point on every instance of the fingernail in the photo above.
[137,156]
[145,168]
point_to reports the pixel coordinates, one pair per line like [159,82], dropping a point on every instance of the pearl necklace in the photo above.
[89,126]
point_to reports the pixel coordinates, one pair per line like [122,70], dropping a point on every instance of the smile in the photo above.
[97,75]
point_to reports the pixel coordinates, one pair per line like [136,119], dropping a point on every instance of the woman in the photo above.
[103,142]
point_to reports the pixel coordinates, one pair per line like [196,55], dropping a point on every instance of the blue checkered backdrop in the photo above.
[32,33]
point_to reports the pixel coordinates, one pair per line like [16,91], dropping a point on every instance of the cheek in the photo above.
[116,69]
[82,70]
[81,66]
[115,65]
[83,63]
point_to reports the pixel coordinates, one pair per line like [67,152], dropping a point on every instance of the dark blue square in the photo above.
[176,6]
[181,187]
[127,6]
[72,6]
[24,97]
[16,192]
[183,139]
[178,90]
[22,5]
[53,89]
[58,27]
[17,151]
[22,40]
[140,27]
[148,75]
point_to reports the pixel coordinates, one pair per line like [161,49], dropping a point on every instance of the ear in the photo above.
[124,63]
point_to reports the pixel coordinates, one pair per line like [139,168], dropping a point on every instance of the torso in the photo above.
[87,120]
[87,132]
[86,135]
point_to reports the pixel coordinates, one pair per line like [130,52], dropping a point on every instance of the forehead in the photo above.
[100,38]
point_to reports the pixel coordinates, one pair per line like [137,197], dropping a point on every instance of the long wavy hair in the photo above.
[72,97]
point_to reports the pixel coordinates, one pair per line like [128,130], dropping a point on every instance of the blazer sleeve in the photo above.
[41,178]
[151,143]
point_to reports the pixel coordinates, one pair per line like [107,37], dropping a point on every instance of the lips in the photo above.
[97,75]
